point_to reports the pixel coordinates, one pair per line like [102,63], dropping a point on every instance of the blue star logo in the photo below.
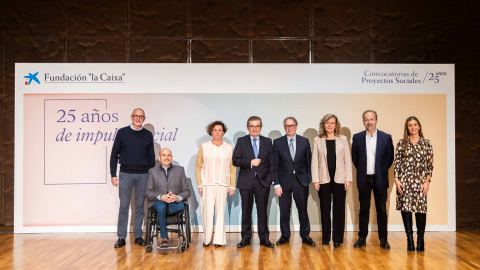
[31,77]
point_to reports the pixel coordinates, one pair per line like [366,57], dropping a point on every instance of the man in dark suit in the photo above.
[292,157]
[253,154]
[372,154]
[167,186]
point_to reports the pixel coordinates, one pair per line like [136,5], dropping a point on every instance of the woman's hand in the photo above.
[347,184]
[231,191]
[316,185]
[425,187]
[399,187]
[200,190]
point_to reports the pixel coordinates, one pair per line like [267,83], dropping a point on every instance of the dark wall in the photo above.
[249,31]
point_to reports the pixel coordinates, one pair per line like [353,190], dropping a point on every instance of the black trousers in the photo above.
[300,195]
[365,196]
[327,193]
[260,193]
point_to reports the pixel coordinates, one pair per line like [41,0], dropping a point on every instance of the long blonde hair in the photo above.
[338,127]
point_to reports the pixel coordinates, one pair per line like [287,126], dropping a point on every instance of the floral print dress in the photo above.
[412,169]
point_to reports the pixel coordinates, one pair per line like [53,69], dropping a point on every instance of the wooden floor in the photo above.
[444,250]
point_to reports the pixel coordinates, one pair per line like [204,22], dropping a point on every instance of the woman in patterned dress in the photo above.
[413,172]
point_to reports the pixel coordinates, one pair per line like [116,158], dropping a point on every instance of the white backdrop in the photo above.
[65,125]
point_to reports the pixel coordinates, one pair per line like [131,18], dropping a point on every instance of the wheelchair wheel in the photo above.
[183,248]
[149,248]
[188,232]
[148,233]
[188,229]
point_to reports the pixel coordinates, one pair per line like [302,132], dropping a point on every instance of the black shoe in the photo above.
[308,241]
[218,245]
[283,240]
[336,245]
[325,243]
[384,244]
[206,245]
[120,243]
[360,242]
[139,241]
[267,243]
[243,243]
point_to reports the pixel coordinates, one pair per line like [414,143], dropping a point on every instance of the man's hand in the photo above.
[200,190]
[256,162]
[115,181]
[316,185]
[173,197]
[278,191]
[166,198]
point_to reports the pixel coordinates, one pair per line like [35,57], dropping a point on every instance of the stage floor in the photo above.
[444,250]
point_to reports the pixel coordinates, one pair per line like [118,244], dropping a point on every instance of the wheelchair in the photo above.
[183,229]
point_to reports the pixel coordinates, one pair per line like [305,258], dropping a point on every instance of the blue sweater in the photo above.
[135,151]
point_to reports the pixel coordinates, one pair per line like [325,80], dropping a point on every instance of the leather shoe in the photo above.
[267,243]
[283,240]
[360,242]
[308,241]
[206,245]
[218,245]
[325,243]
[384,244]
[120,243]
[336,245]
[140,241]
[164,243]
[243,243]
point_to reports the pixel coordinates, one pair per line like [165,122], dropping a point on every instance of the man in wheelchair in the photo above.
[167,186]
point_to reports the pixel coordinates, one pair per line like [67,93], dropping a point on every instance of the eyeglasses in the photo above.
[254,127]
[138,116]
[289,126]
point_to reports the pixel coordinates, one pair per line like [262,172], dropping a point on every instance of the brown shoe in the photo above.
[164,243]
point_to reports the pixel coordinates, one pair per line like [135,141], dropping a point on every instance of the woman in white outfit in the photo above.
[215,176]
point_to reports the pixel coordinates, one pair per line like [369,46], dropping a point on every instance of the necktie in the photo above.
[255,149]
[292,150]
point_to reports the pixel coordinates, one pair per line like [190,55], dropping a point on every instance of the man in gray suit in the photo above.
[167,186]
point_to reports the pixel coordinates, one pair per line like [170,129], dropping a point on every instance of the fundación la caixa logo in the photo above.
[31,77]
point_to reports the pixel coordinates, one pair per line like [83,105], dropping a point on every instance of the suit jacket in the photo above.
[343,171]
[242,157]
[157,183]
[285,165]
[383,158]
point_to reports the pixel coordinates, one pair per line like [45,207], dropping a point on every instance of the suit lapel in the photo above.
[261,144]
[162,174]
[323,145]
[285,142]
[379,144]
[364,142]
[250,146]
[297,147]
[338,141]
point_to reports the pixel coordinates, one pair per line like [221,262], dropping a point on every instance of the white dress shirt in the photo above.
[371,142]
